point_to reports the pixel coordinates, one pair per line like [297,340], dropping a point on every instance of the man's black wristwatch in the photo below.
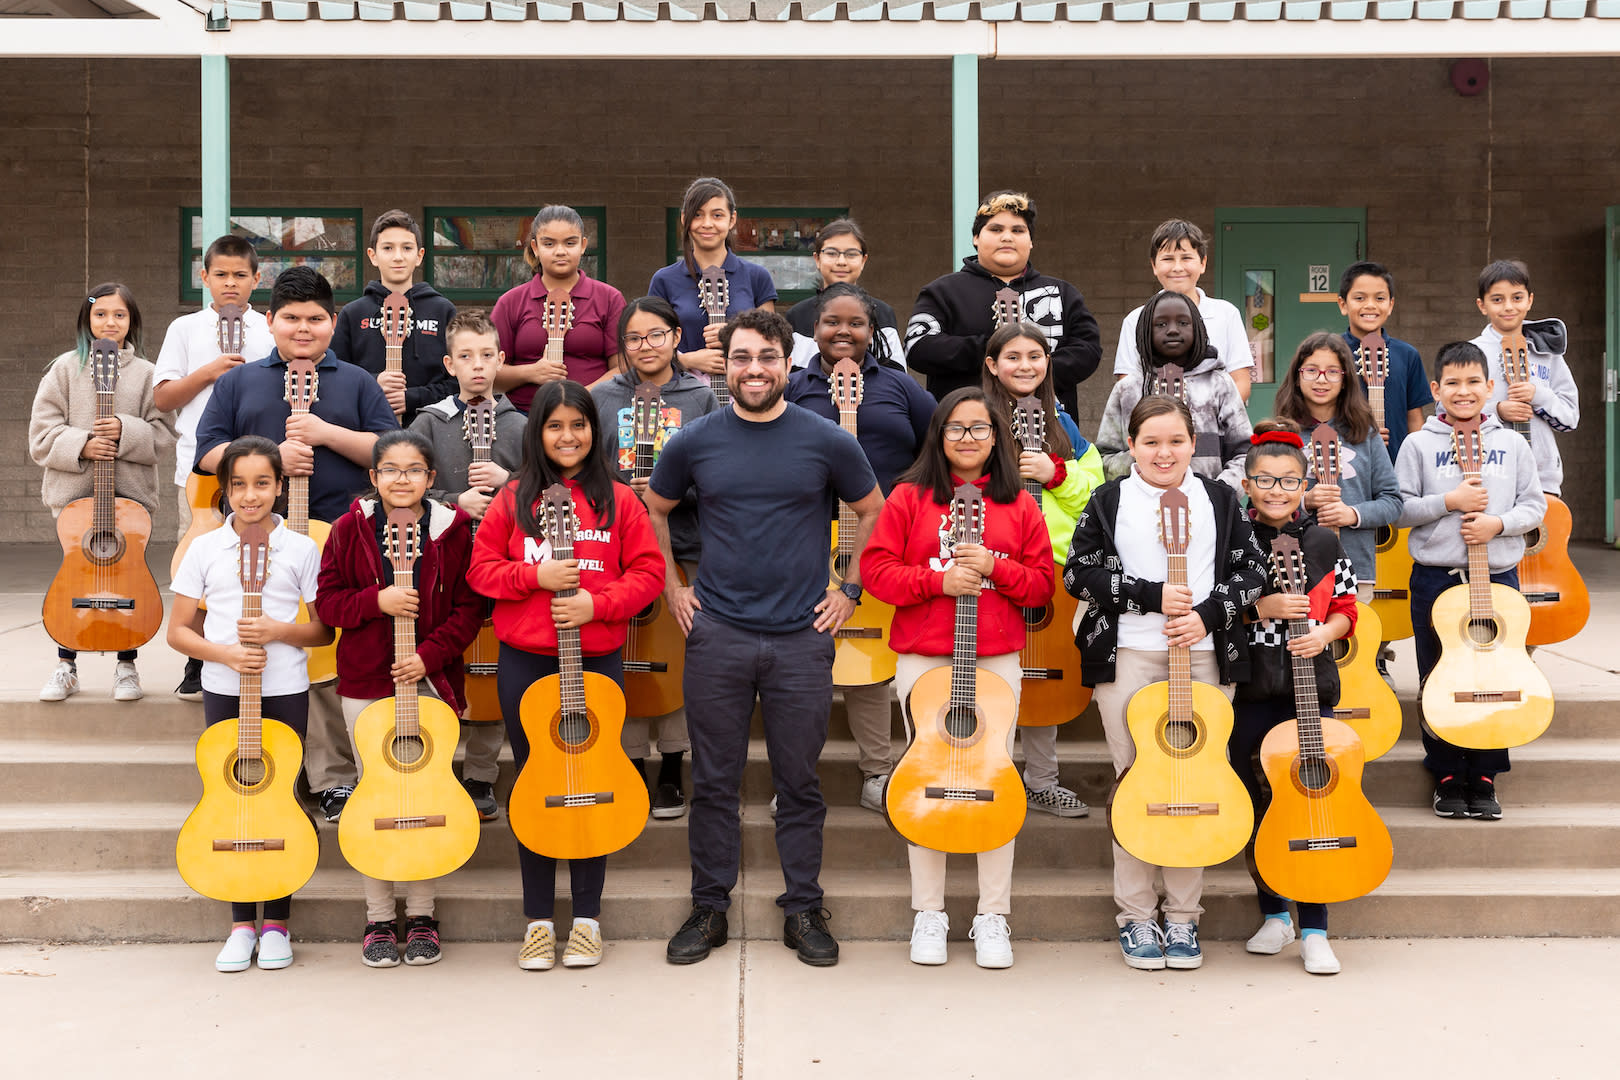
[851,590]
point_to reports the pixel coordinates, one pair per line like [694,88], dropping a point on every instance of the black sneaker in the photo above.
[483,797]
[668,802]
[379,948]
[333,800]
[1451,798]
[703,930]
[422,940]
[806,931]
[1482,802]
[190,688]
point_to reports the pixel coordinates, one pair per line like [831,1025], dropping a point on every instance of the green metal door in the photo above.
[1611,373]
[1281,267]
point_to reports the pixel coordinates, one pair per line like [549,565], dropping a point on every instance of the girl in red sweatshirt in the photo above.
[911,563]
[617,570]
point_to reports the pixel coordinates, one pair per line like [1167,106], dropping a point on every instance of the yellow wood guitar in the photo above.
[202,491]
[1392,569]
[302,382]
[862,656]
[1366,702]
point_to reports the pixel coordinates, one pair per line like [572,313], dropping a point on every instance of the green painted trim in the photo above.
[597,214]
[191,290]
[1232,215]
[216,145]
[964,151]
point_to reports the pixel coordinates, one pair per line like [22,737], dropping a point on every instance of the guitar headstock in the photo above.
[478,423]
[1173,520]
[253,554]
[557,520]
[967,514]
[231,329]
[714,291]
[1029,422]
[1324,454]
[1466,443]
[848,384]
[1171,381]
[559,313]
[395,320]
[104,365]
[301,384]
[1006,307]
[1515,358]
[400,537]
[645,406]
[1372,359]
[1288,565]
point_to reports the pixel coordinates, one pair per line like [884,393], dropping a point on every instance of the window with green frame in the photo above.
[476,252]
[330,240]
[776,237]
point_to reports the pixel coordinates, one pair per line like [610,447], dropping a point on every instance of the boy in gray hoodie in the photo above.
[1446,513]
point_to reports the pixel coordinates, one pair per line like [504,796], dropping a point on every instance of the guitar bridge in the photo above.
[1543,597]
[590,798]
[874,632]
[481,669]
[269,843]
[1470,697]
[1390,594]
[1049,674]
[645,667]
[1352,714]
[1182,809]
[103,603]
[420,821]
[1322,843]
[952,794]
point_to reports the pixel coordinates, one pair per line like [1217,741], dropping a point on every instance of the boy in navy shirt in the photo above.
[1366,298]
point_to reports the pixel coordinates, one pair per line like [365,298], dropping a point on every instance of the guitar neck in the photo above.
[407,718]
[1306,708]
[644,460]
[249,718]
[104,512]
[298,497]
[394,358]
[1375,398]
[1479,577]
[554,348]
[717,382]
[965,654]
[847,522]
[1180,659]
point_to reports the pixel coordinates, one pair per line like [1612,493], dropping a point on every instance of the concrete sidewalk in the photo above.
[1503,1007]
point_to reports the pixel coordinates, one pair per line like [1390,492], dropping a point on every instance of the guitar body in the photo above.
[978,762]
[1392,572]
[1180,803]
[481,658]
[652,641]
[431,824]
[1052,692]
[1500,665]
[861,655]
[609,805]
[202,495]
[102,569]
[1366,702]
[1549,582]
[1320,841]
[247,804]
[322,658]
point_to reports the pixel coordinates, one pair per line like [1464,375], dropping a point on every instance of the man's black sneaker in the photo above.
[1482,801]
[190,688]
[483,798]
[1451,798]
[806,931]
[703,930]
[668,802]
[333,800]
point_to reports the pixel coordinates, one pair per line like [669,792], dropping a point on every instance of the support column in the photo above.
[964,150]
[216,147]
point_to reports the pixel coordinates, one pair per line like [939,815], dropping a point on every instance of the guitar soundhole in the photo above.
[103,546]
[1344,651]
[1482,631]
[1313,776]
[961,723]
[1037,618]
[1534,541]
[647,614]
[245,776]
[1386,538]
[1180,738]
[840,564]
[408,753]
[573,731]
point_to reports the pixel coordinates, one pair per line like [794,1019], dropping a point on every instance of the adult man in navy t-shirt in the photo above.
[759,621]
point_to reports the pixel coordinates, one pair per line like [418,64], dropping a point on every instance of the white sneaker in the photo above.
[1318,955]
[237,952]
[928,932]
[992,942]
[63,683]
[1271,937]
[126,684]
[773,806]
[275,950]
[872,792]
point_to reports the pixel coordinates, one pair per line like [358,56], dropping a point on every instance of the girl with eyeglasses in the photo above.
[841,257]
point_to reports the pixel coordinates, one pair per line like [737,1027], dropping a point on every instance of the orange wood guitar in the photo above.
[654,646]
[248,840]
[955,788]
[484,654]
[1366,702]
[1320,841]
[409,817]
[202,491]
[1180,803]
[302,388]
[578,796]
[862,656]
[714,293]
[1558,599]
[1392,566]
[394,320]
[1485,693]
[1052,692]
[104,597]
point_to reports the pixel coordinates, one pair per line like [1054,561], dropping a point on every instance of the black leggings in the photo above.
[518,671]
[1251,721]
[292,710]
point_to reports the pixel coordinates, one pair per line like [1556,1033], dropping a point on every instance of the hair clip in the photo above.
[1287,437]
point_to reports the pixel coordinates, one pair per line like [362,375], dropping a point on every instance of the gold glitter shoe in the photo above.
[584,945]
[539,952]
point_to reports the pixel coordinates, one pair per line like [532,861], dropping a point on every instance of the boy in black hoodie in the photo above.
[395,249]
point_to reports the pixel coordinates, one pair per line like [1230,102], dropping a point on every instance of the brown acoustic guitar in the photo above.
[104,597]
[654,646]
[395,323]
[203,496]
[955,789]
[1392,566]
[302,387]
[862,656]
[714,293]
[484,654]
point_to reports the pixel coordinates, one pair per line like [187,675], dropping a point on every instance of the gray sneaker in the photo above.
[1058,801]
[126,684]
[872,792]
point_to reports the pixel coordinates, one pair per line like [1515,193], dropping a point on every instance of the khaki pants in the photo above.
[927,865]
[481,748]
[870,723]
[1364,591]
[1040,756]
[328,751]
[672,738]
[380,894]
[1135,890]
[185,514]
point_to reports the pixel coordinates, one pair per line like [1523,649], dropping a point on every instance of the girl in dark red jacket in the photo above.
[617,570]
[356,592]
[911,563]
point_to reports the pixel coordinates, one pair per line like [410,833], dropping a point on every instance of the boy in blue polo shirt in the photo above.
[1366,298]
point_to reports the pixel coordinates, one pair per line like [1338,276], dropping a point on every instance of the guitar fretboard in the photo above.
[847,522]
[249,720]
[717,381]
[104,512]
[1306,708]
[1180,658]
[965,655]
[407,716]
[570,663]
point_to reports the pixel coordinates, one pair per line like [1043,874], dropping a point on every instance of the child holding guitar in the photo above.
[1275,482]
[1066,470]
[70,441]
[270,646]
[914,562]
[1366,300]
[618,571]
[1118,564]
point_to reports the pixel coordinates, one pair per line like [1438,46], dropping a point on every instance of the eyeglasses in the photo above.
[656,339]
[1312,374]
[834,254]
[394,472]
[956,432]
[1287,483]
[743,359]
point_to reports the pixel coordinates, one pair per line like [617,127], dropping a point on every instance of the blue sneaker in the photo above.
[1139,941]
[1181,946]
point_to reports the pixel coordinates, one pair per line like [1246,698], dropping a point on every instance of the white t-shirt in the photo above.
[1222,321]
[1142,554]
[192,341]
[211,572]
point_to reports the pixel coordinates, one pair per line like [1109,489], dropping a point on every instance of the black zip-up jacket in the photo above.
[1332,590]
[1093,573]
[358,339]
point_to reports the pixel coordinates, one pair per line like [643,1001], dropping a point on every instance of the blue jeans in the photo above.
[1442,758]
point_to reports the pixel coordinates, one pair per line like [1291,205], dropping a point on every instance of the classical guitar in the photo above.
[714,293]
[955,789]
[104,597]
[1180,803]
[1322,454]
[1170,381]
[1006,307]
[248,840]
[1548,580]
[1485,693]
[1366,702]
[409,817]
[1052,692]
[1320,840]
[395,323]
[482,656]
[301,390]
[578,796]
[202,490]
[558,318]
[654,646]
[862,656]
[1392,568]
